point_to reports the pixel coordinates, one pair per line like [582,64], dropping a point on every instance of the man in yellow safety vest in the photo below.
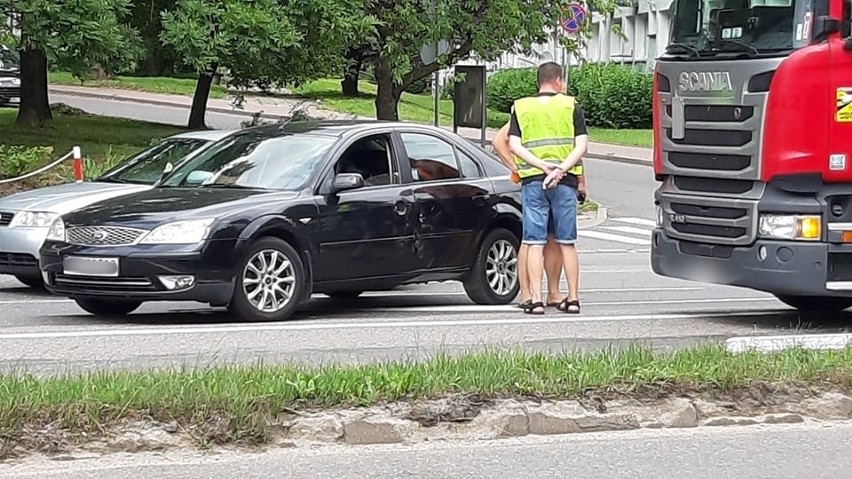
[548,135]
[552,254]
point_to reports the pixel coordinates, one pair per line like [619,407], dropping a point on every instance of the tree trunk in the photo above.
[387,96]
[352,72]
[199,101]
[35,105]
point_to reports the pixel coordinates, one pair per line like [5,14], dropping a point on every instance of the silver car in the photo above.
[26,216]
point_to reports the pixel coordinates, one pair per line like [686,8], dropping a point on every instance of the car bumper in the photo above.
[19,250]
[777,267]
[140,273]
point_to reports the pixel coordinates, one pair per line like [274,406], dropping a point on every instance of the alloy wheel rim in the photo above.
[269,280]
[501,270]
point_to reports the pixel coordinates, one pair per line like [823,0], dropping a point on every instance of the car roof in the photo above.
[212,135]
[334,128]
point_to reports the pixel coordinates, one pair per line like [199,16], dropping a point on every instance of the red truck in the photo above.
[752,121]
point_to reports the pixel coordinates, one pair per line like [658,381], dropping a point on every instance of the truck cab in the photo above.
[752,148]
[10,77]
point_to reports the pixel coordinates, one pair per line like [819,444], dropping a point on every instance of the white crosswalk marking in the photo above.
[633,231]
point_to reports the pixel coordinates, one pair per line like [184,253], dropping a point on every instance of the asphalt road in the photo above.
[810,451]
[623,302]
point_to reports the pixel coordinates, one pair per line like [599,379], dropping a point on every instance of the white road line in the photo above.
[635,221]
[463,308]
[779,343]
[629,230]
[555,319]
[611,237]
[380,294]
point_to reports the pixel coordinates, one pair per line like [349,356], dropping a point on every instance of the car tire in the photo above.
[250,305]
[496,261]
[816,303]
[35,282]
[106,307]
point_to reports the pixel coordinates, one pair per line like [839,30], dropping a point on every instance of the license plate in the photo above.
[77,266]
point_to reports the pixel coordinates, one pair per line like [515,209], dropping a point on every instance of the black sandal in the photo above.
[525,304]
[570,307]
[531,308]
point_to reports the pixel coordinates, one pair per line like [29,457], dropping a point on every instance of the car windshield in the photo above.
[754,27]
[148,166]
[9,60]
[254,161]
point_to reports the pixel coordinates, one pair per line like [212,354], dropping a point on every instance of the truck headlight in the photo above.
[179,232]
[792,227]
[33,219]
[56,231]
[659,216]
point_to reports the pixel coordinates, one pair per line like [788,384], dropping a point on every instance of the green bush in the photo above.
[419,86]
[17,161]
[506,86]
[612,95]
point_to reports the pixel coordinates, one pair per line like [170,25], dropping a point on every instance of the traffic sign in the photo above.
[573,18]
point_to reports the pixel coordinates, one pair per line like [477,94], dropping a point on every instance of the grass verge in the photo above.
[414,108]
[103,140]
[164,85]
[589,207]
[248,398]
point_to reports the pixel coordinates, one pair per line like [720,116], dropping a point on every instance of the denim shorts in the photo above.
[552,210]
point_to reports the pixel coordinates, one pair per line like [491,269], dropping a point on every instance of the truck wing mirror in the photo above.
[847,44]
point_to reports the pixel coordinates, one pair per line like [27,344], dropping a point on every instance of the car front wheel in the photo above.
[105,307]
[34,282]
[494,278]
[270,282]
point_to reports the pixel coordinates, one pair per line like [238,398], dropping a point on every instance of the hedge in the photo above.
[612,95]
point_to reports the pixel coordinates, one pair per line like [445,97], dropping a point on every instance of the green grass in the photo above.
[96,135]
[164,85]
[103,141]
[251,397]
[589,207]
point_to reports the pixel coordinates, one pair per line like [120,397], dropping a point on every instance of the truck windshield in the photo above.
[755,27]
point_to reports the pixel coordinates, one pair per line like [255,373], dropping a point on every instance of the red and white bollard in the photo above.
[78,165]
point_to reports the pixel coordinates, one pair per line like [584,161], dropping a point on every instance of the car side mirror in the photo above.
[347,181]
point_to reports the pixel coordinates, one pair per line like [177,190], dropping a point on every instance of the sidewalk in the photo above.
[276,108]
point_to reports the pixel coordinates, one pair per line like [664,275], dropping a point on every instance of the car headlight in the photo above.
[792,227]
[179,232]
[33,219]
[56,231]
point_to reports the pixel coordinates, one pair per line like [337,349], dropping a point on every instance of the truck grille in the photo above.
[103,235]
[709,220]
[6,218]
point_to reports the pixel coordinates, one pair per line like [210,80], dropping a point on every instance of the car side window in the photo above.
[469,168]
[432,159]
[371,157]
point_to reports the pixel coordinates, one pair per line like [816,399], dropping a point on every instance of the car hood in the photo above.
[149,209]
[65,198]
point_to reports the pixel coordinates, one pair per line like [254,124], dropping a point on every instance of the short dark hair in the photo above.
[548,73]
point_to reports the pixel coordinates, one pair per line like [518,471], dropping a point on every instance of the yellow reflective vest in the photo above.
[547,130]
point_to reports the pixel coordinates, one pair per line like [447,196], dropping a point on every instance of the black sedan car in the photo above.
[271,215]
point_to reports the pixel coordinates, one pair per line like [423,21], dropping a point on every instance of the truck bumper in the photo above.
[777,267]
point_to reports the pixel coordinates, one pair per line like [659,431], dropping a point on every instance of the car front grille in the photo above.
[106,284]
[103,235]
[6,218]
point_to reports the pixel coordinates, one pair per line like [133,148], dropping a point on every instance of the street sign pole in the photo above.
[436,77]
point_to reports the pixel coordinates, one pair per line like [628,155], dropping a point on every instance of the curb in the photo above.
[591,220]
[468,418]
[620,159]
